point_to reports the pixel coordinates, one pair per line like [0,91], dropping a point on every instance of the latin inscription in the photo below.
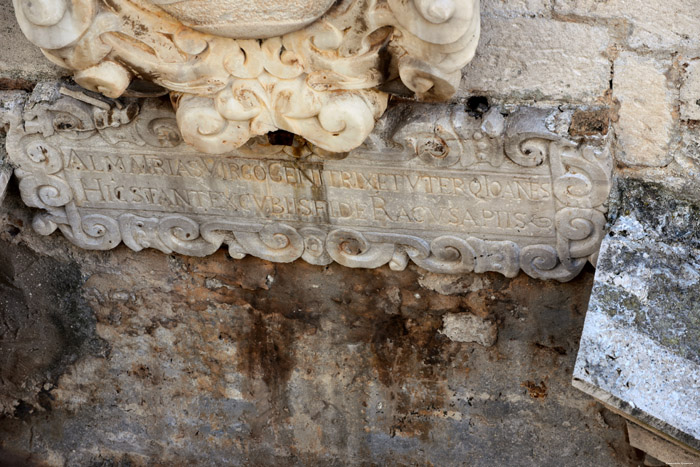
[483,202]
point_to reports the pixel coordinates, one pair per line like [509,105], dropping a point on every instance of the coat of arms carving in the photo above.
[236,69]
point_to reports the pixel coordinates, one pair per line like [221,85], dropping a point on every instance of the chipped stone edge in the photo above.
[633,350]
[11,107]
[659,447]
[5,172]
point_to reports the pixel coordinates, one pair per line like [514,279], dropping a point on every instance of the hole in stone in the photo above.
[23,410]
[477,106]
[280,138]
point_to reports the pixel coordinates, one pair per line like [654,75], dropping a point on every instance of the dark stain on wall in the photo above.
[45,326]
[153,359]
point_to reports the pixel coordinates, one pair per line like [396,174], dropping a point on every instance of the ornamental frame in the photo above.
[437,137]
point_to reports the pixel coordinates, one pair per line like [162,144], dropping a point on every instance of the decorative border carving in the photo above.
[580,174]
[319,82]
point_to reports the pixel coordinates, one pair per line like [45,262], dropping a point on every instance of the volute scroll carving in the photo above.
[433,185]
[237,69]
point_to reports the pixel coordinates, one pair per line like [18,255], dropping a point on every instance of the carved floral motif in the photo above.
[317,78]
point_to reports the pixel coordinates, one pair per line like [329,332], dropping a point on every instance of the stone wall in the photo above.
[124,358]
[637,59]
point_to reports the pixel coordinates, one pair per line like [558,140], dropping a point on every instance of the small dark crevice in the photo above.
[477,106]
[281,138]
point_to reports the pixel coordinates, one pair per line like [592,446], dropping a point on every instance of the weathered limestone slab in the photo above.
[672,24]
[540,59]
[646,119]
[511,8]
[451,192]
[659,448]
[690,92]
[640,350]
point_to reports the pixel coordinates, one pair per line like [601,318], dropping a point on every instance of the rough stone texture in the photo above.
[46,326]
[21,62]
[358,373]
[214,361]
[690,92]
[645,118]
[670,24]
[539,59]
[5,169]
[512,8]
[640,350]
[465,327]
[250,19]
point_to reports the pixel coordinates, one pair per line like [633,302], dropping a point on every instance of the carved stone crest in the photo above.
[241,68]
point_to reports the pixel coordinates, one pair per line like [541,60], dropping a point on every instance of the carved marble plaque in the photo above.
[451,192]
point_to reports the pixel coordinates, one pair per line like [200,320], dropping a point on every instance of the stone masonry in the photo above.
[125,358]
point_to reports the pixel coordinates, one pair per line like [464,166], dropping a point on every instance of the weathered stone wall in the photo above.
[126,358]
[636,58]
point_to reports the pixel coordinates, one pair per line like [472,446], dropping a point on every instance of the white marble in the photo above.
[432,185]
[240,69]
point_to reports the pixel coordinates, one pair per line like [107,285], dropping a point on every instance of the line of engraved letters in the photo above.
[282,190]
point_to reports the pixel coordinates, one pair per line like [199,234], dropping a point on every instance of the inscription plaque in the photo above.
[451,192]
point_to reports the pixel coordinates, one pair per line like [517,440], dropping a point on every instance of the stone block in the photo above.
[654,25]
[539,59]
[661,450]
[690,92]
[640,349]
[512,8]
[646,111]
[434,186]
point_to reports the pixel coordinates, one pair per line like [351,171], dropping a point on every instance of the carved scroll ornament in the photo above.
[432,185]
[240,68]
